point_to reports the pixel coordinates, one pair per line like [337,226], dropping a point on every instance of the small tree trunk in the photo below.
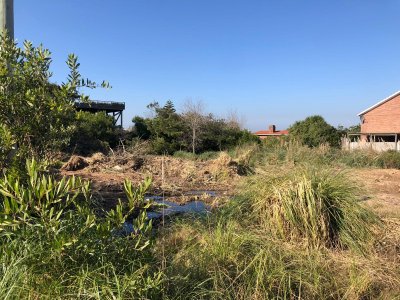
[193,140]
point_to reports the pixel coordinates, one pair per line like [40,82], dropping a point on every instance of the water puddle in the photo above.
[167,209]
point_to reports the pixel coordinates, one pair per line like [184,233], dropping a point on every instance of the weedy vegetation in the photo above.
[54,245]
[295,229]
[301,234]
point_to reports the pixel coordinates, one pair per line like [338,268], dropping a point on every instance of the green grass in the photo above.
[318,207]
[282,152]
[295,230]
[220,258]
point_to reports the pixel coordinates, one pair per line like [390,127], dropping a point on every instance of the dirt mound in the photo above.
[97,158]
[165,171]
[75,163]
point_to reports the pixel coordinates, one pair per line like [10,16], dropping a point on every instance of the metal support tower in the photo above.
[7,16]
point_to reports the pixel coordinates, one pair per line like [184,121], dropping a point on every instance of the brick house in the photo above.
[381,122]
[380,127]
[262,134]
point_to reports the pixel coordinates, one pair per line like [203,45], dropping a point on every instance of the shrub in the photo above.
[37,113]
[314,131]
[6,145]
[319,207]
[54,245]
[94,132]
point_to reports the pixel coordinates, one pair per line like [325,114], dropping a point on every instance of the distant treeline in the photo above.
[169,131]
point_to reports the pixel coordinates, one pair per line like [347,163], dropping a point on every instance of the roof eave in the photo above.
[379,103]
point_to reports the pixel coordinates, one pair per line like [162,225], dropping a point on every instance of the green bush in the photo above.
[6,143]
[37,113]
[389,160]
[54,245]
[94,132]
[314,131]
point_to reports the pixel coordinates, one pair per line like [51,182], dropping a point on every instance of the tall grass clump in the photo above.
[317,206]
[53,244]
[221,259]
[224,257]
[389,159]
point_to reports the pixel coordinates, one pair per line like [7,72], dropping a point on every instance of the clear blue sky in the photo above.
[274,62]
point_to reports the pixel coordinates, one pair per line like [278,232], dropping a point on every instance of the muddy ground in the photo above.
[181,180]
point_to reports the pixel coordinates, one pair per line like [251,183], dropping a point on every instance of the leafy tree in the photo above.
[166,128]
[191,130]
[313,131]
[140,129]
[93,132]
[38,114]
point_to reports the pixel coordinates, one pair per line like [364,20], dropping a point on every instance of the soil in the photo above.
[177,177]
[182,180]
[381,190]
[382,194]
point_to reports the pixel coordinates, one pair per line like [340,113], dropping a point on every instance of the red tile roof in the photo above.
[269,132]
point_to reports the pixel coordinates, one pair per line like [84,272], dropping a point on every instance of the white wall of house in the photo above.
[375,146]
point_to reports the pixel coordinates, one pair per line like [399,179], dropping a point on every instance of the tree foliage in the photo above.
[93,132]
[35,111]
[166,128]
[37,114]
[192,130]
[6,144]
[313,131]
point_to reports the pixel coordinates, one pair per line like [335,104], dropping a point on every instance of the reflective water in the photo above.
[170,208]
[165,208]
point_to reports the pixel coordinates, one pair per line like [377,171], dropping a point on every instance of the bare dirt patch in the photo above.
[182,180]
[382,195]
[382,190]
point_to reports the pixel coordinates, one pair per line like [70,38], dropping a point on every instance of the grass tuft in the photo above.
[319,207]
